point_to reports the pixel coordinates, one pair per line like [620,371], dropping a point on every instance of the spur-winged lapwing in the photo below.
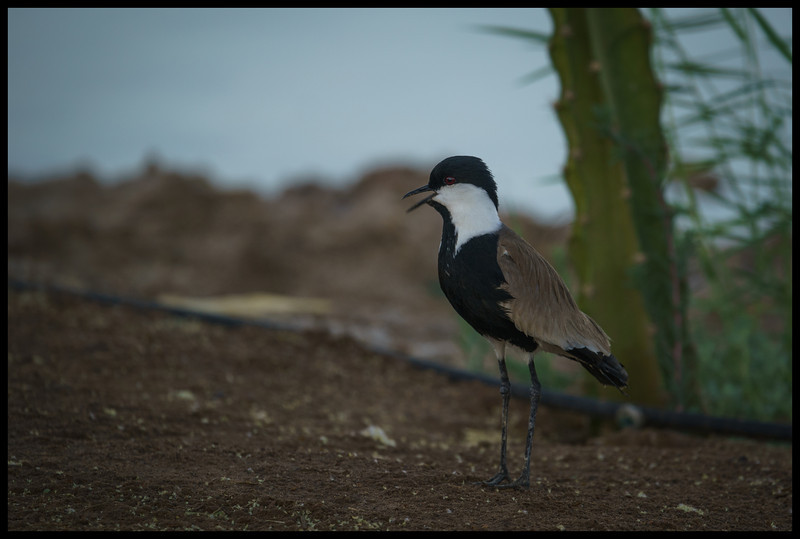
[507,291]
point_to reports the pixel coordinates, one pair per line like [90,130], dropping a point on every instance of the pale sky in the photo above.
[264,97]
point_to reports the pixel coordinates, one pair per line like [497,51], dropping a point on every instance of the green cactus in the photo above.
[621,244]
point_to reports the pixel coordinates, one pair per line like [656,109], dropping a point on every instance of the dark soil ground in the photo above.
[132,419]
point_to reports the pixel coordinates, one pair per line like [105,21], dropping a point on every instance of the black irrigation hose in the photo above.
[624,413]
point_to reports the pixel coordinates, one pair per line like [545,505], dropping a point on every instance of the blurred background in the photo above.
[184,154]
[261,98]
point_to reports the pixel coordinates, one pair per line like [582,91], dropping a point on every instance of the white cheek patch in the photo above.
[472,211]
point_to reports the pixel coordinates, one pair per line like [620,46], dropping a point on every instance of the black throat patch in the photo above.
[471,280]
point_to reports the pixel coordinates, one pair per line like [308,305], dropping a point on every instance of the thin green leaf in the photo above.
[734,24]
[695,21]
[772,35]
[542,38]
[677,89]
[687,67]
[536,75]
[749,88]
[725,107]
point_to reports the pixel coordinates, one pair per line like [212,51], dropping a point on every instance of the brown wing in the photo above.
[542,306]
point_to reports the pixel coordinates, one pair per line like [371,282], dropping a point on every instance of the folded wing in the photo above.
[543,308]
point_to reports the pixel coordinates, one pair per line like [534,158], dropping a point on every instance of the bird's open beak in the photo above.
[421,202]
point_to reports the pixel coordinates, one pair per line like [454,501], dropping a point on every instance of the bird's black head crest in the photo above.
[464,169]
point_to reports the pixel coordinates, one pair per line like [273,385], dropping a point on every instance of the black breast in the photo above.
[471,280]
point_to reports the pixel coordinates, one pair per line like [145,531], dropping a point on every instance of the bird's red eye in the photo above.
[449,180]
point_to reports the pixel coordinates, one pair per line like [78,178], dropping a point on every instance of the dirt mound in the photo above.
[163,232]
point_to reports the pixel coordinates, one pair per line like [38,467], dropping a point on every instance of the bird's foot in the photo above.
[521,483]
[496,479]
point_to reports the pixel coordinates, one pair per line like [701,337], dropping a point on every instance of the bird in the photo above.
[507,291]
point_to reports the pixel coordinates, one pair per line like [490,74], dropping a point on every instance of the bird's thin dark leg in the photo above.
[523,481]
[505,392]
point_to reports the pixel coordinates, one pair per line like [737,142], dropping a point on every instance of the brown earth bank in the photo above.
[163,232]
[132,419]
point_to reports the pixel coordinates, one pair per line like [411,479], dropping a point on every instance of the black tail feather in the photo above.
[607,369]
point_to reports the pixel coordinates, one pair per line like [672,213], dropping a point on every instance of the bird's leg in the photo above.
[523,481]
[505,393]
